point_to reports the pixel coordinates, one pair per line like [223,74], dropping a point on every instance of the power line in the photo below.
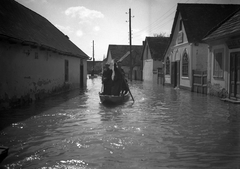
[158,22]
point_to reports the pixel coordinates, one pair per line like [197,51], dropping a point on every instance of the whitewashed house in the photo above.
[36,59]
[187,51]
[121,53]
[153,57]
[224,59]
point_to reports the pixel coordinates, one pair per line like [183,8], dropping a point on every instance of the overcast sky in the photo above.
[104,21]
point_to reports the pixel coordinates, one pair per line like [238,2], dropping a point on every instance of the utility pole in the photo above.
[93,60]
[130,43]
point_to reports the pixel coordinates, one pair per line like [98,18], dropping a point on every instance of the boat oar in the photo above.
[128,89]
[125,82]
[131,94]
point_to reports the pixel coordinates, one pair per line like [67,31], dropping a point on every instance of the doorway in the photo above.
[235,75]
[175,74]
[81,76]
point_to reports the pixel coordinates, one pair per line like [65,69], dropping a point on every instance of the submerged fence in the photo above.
[199,81]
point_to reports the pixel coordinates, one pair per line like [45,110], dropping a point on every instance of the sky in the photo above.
[105,22]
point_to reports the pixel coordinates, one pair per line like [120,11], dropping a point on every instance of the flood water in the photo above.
[164,128]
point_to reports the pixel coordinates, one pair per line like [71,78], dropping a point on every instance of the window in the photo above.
[167,66]
[218,63]
[180,25]
[185,64]
[66,71]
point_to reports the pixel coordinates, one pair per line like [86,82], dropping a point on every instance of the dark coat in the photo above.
[117,81]
[107,81]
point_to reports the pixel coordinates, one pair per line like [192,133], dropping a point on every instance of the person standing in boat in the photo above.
[124,86]
[107,80]
[118,81]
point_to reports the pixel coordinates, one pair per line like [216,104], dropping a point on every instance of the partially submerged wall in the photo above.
[29,73]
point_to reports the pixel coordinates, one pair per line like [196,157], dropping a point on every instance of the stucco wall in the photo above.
[148,70]
[29,74]
[200,53]
[215,86]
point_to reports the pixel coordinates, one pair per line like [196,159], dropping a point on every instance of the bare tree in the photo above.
[159,35]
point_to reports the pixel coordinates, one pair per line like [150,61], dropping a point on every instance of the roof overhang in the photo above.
[40,46]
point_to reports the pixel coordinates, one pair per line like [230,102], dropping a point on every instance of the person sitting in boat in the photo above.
[107,80]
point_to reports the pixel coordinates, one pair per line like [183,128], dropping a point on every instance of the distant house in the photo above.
[97,67]
[153,57]
[186,51]
[37,60]
[121,52]
[224,58]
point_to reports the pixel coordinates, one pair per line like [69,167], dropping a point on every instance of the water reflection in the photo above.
[163,128]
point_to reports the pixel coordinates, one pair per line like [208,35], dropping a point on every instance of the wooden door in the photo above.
[175,73]
[178,73]
[81,76]
[235,75]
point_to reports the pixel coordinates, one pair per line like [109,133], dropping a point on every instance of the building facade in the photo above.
[187,52]
[224,58]
[121,53]
[153,57]
[36,61]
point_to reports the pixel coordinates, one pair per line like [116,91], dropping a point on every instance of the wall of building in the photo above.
[137,73]
[215,86]
[197,58]
[148,70]
[29,74]
[178,43]
[156,65]
[167,77]
[200,53]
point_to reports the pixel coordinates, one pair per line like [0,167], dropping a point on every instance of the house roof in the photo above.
[228,27]
[157,46]
[25,26]
[198,19]
[118,51]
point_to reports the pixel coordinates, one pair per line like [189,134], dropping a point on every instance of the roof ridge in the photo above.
[204,4]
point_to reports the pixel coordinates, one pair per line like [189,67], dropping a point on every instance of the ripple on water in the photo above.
[163,128]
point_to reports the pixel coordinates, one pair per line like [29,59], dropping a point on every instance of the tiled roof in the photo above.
[157,46]
[229,27]
[198,19]
[23,25]
[117,51]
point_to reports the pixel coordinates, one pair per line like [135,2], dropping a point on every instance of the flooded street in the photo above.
[164,128]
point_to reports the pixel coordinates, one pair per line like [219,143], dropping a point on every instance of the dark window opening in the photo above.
[180,25]
[167,66]
[66,71]
[185,65]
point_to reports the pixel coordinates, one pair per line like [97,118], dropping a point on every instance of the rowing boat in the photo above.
[113,99]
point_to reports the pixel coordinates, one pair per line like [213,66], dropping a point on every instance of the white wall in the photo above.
[218,84]
[200,53]
[148,70]
[32,72]
[197,55]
